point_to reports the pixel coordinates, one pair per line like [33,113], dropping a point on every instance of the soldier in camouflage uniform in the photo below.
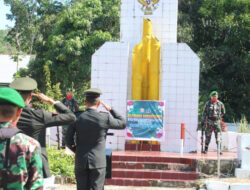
[72,104]
[20,160]
[213,111]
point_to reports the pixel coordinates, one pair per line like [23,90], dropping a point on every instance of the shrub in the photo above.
[61,163]
[243,125]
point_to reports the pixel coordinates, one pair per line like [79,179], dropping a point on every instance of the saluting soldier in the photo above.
[213,111]
[20,161]
[34,122]
[90,147]
[70,102]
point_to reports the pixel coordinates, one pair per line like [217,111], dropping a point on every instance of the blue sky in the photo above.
[3,11]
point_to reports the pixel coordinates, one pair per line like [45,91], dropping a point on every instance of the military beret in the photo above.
[213,93]
[93,92]
[68,89]
[12,96]
[24,84]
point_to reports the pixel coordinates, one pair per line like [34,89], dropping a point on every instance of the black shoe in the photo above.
[204,152]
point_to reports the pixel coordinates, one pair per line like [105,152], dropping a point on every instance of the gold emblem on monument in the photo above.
[148,6]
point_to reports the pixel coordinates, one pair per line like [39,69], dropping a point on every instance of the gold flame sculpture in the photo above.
[146,65]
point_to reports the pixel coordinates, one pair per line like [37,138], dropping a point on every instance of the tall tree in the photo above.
[68,38]
[24,32]
[220,36]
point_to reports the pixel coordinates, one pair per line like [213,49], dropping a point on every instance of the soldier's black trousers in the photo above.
[90,179]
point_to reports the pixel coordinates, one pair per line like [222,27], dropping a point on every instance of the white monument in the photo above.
[244,156]
[179,71]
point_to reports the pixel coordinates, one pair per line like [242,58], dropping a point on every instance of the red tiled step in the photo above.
[142,147]
[142,158]
[151,165]
[149,182]
[154,174]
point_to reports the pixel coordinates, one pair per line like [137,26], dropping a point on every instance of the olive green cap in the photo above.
[24,84]
[93,92]
[213,93]
[12,96]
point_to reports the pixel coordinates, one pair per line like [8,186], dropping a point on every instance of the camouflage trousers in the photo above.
[212,126]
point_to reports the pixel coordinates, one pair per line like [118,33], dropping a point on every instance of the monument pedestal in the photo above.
[142,147]
[244,144]
[242,173]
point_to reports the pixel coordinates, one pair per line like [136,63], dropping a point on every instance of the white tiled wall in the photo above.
[109,72]
[180,89]
[164,21]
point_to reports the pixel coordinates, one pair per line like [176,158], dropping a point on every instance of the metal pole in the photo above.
[48,135]
[58,138]
[182,138]
[218,153]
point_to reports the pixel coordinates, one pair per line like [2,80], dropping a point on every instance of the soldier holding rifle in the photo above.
[213,112]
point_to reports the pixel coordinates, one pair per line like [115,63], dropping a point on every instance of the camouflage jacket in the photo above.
[25,171]
[213,111]
[72,104]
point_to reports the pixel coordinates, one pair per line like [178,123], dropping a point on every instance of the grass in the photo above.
[243,125]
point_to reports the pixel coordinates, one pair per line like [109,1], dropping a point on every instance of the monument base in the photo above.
[242,173]
[141,146]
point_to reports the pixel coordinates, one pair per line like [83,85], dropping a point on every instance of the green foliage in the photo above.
[5,47]
[78,31]
[64,37]
[243,125]
[61,163]
[219,32]
[52,91]
[24,32]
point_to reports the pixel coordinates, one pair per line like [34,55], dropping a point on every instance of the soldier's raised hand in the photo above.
[44,98]
[108,108]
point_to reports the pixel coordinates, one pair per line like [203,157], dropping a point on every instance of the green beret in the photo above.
[24,84]
[12,96]
[68,89]
[93,92]
[213,93]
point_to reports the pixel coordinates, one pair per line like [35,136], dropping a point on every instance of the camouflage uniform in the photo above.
[25,171]
[211,116]
[72,104]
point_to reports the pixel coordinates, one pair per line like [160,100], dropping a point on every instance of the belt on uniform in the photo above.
[212,118]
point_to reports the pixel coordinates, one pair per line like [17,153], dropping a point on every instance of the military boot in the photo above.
[205,151]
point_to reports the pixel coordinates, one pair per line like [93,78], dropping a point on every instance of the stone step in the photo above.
[142,147]
[154,174]
[150,182]
[152,165]
[141,158]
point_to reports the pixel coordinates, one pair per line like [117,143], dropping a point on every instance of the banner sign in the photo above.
[145,120]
